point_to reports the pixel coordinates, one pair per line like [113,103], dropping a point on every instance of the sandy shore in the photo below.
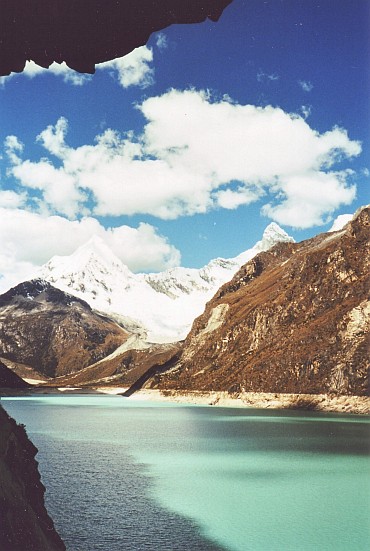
[263,400]
[319,402]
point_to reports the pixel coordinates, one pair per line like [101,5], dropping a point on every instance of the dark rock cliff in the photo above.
[24,522]
[8,379]
[53,332]
[85,32]
[295,319]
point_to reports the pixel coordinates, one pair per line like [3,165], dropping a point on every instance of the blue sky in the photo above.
[187,148]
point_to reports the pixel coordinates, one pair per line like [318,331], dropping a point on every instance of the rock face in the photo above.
[294,319]
[8,379]
[24,522]
[84,33]
[53,332]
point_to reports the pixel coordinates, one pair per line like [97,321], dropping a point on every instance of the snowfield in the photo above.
[160,307]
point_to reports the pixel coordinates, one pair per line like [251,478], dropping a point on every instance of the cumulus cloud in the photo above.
[195,154]
[134,69]
[340,222]
[12,200]
[28,240]
[232,199]
[310,199]
[53,138]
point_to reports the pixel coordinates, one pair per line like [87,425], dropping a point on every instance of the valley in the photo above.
[282,319]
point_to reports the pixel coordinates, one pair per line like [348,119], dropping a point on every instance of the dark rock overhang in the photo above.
[86,32]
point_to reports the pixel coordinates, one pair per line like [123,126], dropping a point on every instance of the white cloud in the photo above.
[142,248]
[161,41]
[52,138]
[32,70]
[230,199]
[13,148]
[310,199]
[28,240]
[306,111]
[340,222]
[57,186]
[68,75]
[305,85]
[196,154]
[133,69]
[12,200]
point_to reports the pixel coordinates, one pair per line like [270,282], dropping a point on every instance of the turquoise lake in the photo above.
[129,475]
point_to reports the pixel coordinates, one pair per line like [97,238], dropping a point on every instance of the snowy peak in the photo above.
[93,264]
[95,253]
[39,292]
[163,305]
[272,235]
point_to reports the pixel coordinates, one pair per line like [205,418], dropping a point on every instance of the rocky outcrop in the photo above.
[295,319]
[83,33]
[8,379]
[53,332]
[24,522]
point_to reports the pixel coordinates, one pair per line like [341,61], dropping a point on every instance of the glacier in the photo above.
[158,307]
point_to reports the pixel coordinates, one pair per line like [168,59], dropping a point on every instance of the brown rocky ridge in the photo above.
[51,332]
[24,521]
[122,369]
[295,319]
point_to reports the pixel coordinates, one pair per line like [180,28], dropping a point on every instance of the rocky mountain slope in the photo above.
[293,319]
[53,332]
[124,367]
[161,306]
[24,522]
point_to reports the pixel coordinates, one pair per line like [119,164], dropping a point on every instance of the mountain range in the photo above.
[280,317]
[160,307]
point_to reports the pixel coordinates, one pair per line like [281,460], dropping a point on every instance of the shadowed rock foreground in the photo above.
[24,522]
[83,33]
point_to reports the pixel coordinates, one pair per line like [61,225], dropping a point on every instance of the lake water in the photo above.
[128,475]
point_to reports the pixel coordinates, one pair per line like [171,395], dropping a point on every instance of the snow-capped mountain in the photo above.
[159,306]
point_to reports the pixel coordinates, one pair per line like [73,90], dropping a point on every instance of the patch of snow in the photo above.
[340,222]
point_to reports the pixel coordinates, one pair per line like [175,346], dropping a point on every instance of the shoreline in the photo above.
[358,405]
[260,400]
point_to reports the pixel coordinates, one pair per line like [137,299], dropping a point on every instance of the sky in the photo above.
[187,148]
